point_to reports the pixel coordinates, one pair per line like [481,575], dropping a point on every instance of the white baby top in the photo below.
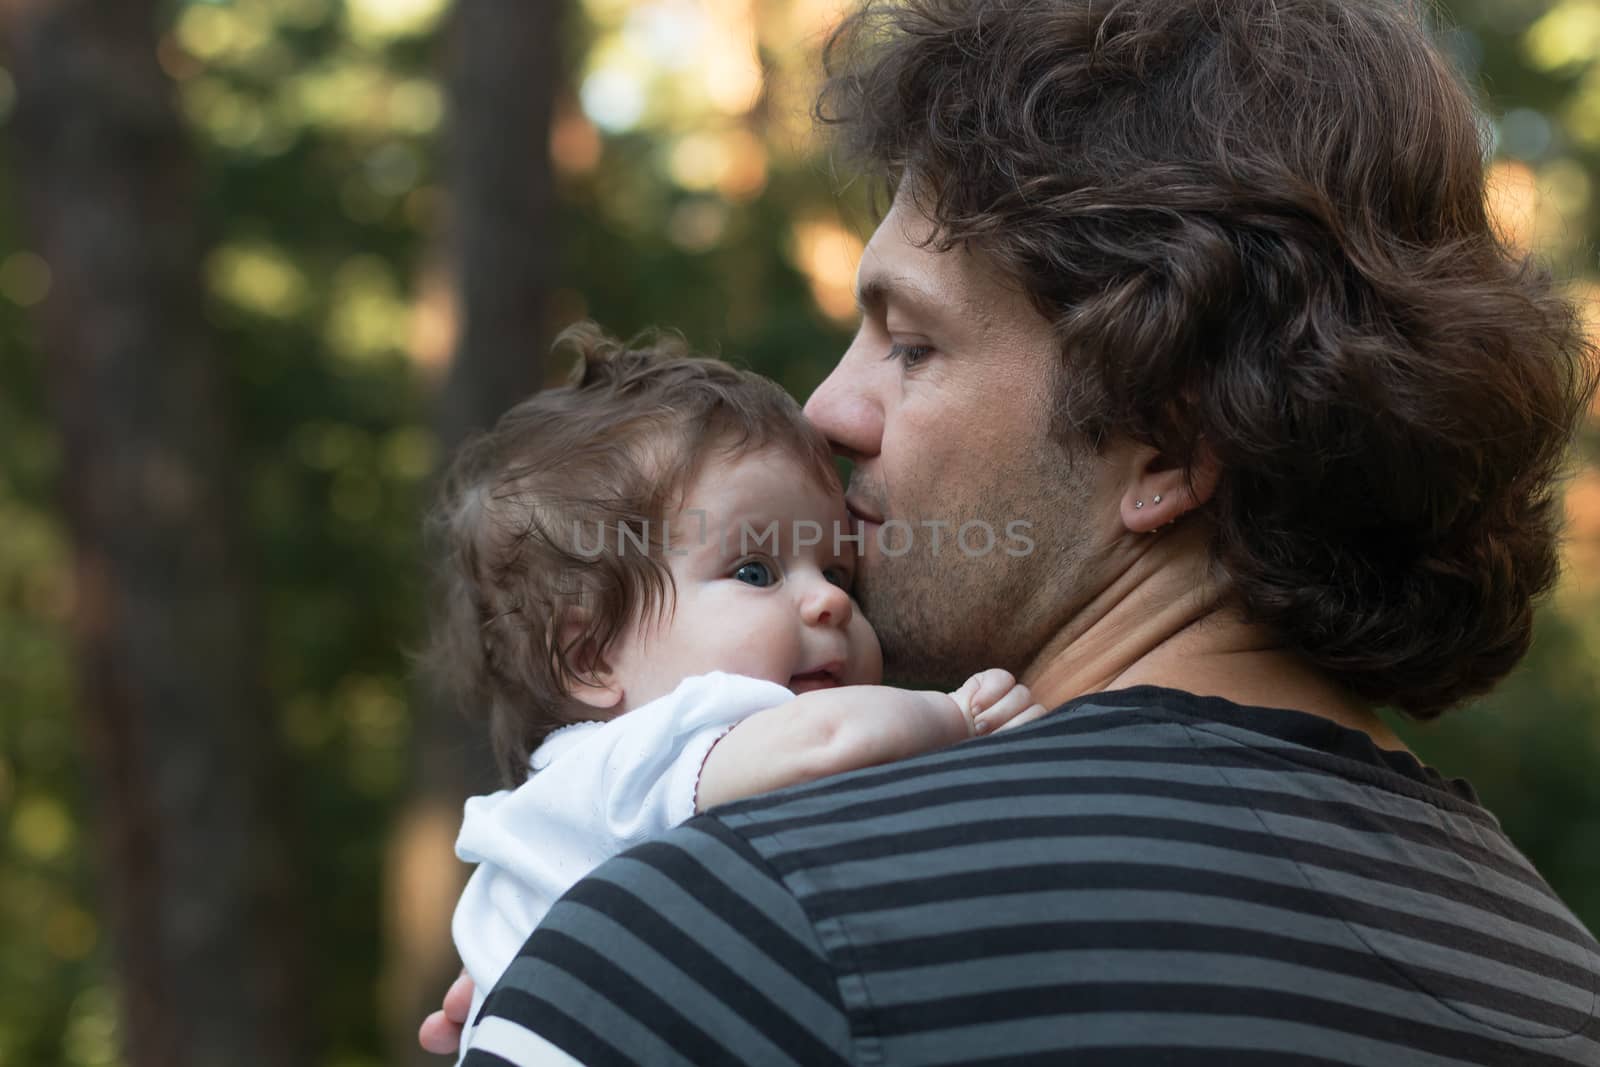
[597,788]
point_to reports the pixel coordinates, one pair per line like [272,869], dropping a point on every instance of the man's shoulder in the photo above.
[1120,768]
[1080,738]
[1136,863]
[686,949]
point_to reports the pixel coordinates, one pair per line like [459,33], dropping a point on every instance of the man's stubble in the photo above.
[943,617]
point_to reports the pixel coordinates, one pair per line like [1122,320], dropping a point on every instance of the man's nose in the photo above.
[826,605]
[845,409]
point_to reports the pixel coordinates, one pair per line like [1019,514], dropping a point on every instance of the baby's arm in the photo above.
[831,731]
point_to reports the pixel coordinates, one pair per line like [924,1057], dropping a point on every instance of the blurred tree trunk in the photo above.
[503,68]
[174,720]
[504,65]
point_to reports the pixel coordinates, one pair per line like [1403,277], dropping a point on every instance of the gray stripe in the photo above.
[1291,777]
[1121,1029]
[946,814]
[1099,905]
[1402,949]
[789,995]
[1390,848]
[1294,866]
[938,770]
[668,979]
[918,808]
[1133,905]
[848,809]
[997,856]
[1487,893]
[1269,750]
[611,1021]
[1424,965]
[965,765]
[910,985]
[1347,892]
[759,888]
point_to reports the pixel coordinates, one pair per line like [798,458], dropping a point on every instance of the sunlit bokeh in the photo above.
[381,20]
[827,253]
[259,277]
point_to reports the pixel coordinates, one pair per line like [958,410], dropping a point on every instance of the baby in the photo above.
[648,589]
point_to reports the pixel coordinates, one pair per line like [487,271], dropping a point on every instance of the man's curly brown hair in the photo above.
[1260,225]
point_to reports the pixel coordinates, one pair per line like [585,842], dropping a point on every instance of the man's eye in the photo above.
[838,576]
[909,355]
[756,573]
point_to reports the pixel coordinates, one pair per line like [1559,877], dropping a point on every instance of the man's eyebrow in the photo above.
[870,295]
[877,291]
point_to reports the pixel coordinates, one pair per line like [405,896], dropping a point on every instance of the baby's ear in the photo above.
[590,679]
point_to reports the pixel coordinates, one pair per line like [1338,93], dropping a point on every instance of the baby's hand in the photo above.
[994,700]
[440,1032]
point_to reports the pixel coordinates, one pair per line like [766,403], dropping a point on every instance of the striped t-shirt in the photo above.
[1143,877]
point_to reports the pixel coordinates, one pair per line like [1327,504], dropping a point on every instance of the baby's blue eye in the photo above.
[756,573]
[838,576]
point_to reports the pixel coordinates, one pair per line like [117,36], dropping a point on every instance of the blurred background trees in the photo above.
[283,254]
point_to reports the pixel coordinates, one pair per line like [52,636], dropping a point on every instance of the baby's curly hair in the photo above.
[525,609]
[1260,225]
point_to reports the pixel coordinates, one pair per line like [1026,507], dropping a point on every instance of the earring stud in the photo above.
[1158,498]
[1138,504]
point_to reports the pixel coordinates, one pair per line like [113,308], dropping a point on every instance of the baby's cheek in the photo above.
[741,637]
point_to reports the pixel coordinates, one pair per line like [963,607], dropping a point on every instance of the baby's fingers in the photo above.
[1037,711]
[439,1035]
[1016,701]
[458,998]
[990,686]
[440,1032]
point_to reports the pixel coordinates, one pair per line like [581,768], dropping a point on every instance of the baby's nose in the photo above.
[828,605]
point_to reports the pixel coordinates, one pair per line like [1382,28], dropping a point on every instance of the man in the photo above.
[1205,295]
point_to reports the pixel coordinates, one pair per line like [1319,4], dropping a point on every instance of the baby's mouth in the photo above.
[822,678]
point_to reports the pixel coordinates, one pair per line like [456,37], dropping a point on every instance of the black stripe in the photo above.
[1154,828]
[995,943]
[1175,998]
[700,882]
[941,792]
[996,750]
[619,991]
[715,977]
[1024,745]
[1162,1056]
[479,1058]
[533,1012]
[1060,877]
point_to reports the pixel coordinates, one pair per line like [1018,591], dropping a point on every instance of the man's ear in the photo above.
[591,679]
[1158,492]
[1204,473]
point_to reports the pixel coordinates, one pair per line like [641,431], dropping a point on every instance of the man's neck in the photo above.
[1160,622]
